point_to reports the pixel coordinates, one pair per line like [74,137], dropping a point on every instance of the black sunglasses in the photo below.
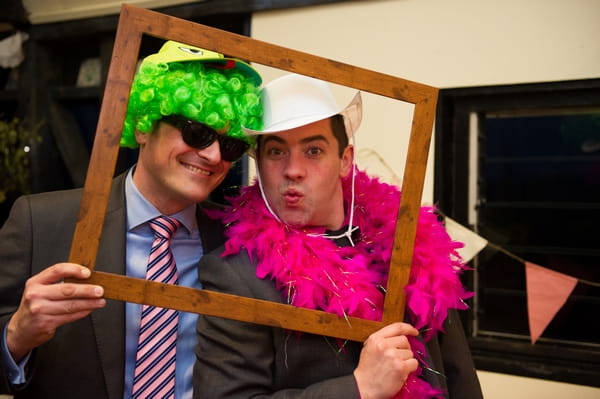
[198,135]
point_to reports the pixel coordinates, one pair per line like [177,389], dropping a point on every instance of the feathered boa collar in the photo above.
[313,272]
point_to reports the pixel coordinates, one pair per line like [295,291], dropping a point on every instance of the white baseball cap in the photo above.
[296,100]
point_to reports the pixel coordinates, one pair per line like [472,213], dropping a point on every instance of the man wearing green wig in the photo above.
[63,340]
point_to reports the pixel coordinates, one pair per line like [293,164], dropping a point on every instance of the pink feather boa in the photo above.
[312,272]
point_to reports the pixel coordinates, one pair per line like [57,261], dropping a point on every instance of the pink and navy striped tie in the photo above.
[154,375]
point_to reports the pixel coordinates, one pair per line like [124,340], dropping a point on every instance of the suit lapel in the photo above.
[109,322]
[211,230]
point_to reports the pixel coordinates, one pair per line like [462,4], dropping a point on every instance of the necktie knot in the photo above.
[164,226]
[161,264]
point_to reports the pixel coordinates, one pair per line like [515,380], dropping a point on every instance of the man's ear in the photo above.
[141,138]
[347,161]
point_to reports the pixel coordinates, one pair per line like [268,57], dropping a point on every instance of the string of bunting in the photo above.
[547,290]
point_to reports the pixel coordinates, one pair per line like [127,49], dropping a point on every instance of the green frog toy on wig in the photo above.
[219,92]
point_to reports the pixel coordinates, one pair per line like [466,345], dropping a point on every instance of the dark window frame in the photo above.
[551,361]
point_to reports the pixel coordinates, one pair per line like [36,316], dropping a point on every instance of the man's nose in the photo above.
[295,167]
[212,153]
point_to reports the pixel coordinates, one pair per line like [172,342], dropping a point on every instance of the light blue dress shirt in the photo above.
[187,250]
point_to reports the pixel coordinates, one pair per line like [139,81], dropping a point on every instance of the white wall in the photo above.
[441,43]
[445,44]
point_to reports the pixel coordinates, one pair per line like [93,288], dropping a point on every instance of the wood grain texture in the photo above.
[133,23]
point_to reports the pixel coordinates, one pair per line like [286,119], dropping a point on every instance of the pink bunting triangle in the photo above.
[547,292]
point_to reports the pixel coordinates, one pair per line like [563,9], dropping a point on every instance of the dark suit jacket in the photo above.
[241,360]
[85,359]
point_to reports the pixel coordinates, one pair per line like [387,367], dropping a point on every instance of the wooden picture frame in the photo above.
[135,22]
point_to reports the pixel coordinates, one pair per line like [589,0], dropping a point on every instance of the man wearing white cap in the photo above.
[64,340]
[316,232]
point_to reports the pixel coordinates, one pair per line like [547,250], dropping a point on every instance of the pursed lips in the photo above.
[292,197]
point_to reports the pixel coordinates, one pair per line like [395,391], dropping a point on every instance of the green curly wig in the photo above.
[218,98]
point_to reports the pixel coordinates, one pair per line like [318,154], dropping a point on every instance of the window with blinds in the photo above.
[520,166]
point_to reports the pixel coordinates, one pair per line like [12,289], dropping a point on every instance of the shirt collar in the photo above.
[140,210]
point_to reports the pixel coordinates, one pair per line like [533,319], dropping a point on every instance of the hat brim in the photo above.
[241,66]
[352,114]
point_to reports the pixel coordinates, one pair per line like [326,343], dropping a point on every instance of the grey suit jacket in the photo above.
[85,359]
[237,360]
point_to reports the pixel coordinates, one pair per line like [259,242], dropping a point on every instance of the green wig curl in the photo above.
[219,98]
